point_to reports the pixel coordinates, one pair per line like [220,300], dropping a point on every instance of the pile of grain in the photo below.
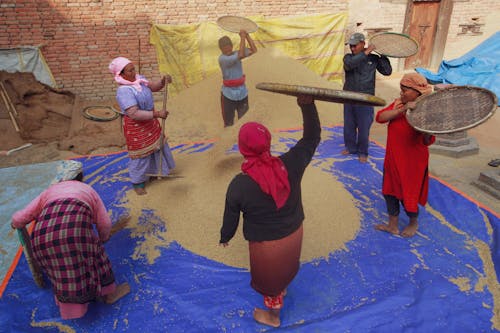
[192,206]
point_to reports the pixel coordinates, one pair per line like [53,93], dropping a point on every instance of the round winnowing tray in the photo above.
[394,45]
[323,94]
[452,109]
[237,23]
[100,113]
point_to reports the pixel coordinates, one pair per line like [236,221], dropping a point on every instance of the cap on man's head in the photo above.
[356,38]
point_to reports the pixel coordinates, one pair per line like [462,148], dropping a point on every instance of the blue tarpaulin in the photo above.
[442,280]
[479,67]
[20,185]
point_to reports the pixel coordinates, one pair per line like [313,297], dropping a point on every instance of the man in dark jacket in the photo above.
[360,67]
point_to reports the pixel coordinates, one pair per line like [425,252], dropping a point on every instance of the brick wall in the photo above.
[487,12]
[80,37]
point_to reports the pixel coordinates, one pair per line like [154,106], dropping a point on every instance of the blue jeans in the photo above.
[357,122]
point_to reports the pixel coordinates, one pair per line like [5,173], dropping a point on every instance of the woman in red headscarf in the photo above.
[268,193]
[406,159]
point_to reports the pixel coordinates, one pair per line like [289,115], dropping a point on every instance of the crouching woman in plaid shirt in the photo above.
[66,247]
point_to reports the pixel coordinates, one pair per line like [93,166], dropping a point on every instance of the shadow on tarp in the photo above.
[433,282]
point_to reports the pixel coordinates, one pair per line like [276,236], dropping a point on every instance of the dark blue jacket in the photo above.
[360,71]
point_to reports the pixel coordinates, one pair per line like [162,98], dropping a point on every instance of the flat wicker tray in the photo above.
[100,113]
[452,109]
[237,23]
[394,45]
[323,94]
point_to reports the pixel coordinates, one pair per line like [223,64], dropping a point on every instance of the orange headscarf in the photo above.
[416,81]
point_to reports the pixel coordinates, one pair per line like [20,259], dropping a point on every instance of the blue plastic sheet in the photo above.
[479,67]
[380,283]
[20,185]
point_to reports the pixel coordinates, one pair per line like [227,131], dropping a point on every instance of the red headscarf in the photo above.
[254,142]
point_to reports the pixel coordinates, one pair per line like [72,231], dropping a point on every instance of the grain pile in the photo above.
[51,116]
[44,114]
[192,206]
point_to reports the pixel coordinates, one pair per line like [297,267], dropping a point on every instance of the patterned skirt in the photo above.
[70,253]
[142,137]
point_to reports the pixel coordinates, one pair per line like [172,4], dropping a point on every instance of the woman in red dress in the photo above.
[406,161]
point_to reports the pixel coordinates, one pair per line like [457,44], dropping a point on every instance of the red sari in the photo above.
[406,162]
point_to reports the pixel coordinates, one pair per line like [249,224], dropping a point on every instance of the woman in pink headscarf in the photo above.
[406,161]
[141,127]
[268,193]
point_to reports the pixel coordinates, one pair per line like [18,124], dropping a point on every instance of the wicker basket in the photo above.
[323,94]
[452,109]
[100,113]
[237,23]
[394,45]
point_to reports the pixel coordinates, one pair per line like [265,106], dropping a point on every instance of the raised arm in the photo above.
[251,43]
[390,112]
[384,66]
[352,61]
[310,118]
[158,85]
[241,51]
[301,154]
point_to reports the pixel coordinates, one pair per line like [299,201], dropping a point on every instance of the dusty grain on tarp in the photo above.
[191,207]
[51,324]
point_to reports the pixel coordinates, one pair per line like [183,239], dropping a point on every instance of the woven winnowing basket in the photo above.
[452,109]
[394,45]
[237,23]
[323,94]
[100,113]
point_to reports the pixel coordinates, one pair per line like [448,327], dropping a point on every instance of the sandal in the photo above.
[494,163]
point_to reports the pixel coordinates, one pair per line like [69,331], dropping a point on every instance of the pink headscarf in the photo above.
[254,142]
[117,65]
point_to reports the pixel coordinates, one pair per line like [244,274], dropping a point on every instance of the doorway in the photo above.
[427,21]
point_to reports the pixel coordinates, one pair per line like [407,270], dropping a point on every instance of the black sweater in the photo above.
[261,219]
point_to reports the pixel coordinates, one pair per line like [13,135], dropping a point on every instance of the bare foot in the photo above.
[387,228]
[267,317]
[140,191]
[121,290]
[363,159]
[410,230]
[345,152]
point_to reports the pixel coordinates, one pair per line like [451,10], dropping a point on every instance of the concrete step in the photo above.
[489,181]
